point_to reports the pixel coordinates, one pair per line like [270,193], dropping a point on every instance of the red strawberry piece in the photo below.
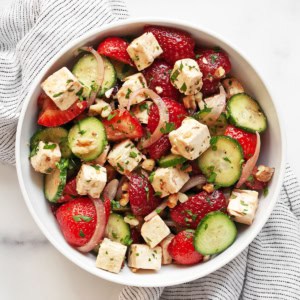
[253,184]
[176,44]
[214,63]
[177,113]
[141,195]
[196,207]
[116,48]
[158,76]
[69,192]
[51,115]
[136,236]
[77,220]
[182,248]
[121,125]
[107,207]
[210,86]
[246,139]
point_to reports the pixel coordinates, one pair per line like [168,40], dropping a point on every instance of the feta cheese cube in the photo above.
[166,257]
[62,87]
[46,157]
[132,83]
[143,257]
[190,140]
[124,156]
[100,108]
[242,205]
[141,111]
[111,256]
[186,76]
[168,180]
[101,159]
[91,180]
[143,50]
[154,231]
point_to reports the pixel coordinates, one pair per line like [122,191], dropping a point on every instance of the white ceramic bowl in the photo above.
[273,154]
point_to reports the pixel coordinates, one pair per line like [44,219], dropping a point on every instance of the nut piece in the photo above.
[264,173]
[101,108]
[131,220]
[124,199]
[190,101]
[148,164]
[220,72]
[182,197]
[232,87]
[172,200]
[208,187]
[125,186]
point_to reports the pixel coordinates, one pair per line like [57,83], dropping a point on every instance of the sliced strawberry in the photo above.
[158,77]
[246,139]
[210,86]
[116,48]
[182,248]
[196,207]
[77,220]
[69,192]
[141,195]
[176,44]
[51,115]
[177,113]
[122,125]
[253,184]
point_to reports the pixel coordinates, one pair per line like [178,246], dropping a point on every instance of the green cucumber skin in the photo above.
[63,168]
[205,223]
[207,173]
[120,72]
[171,160]
[234,122]
[74,133]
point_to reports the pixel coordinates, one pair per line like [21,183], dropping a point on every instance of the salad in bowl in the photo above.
[149,150]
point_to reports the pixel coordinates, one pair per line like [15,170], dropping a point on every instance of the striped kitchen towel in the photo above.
[268,269]
[31,33]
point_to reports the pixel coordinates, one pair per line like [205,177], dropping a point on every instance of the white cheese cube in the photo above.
[91,180]
[111,256]
[46,157]
[132,83]
[154,231]
[143,50]
[190,140]
[100,108]
[62,87]
[124,156]
[141,111]
[186,76]
[168,181]
[242,205]
[143,257]
[101,159]
[166,257]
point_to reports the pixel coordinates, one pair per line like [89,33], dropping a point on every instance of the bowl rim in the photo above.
[173,23]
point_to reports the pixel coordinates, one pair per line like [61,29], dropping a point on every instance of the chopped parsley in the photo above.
[127,241]
[96,167]
[79,93]
[250,179]
[82,132]
[50,146]
[144,106]
[213,142]
[227,159]
[243,203]
[58,94]
[213,58]
[174,75]
[111,116]
[183,87]
[265,192]
[69,80]
[78,218]
[132,154]
[81,233]
[151,177]
[120,167]
[170,126]
[158,194]
[129,91]
[212,177]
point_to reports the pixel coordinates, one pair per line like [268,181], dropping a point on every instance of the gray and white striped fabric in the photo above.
[31,33]
[268,269]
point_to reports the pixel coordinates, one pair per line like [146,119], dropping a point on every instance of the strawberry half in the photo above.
[158,76]
[121,125]
[116,48]
[177,113]
[246,139]
[51,115]
[182,248]
[141,195]
[176,44]
[77,220]
[69,192]
[191,212]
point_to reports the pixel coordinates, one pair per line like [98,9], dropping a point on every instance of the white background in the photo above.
[266,31]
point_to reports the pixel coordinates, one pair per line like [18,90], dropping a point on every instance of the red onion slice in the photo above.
[154,213]
[100,77]
[217,105]
[163,116]
[250,164]
[100,227]
[193,181]
[111,189]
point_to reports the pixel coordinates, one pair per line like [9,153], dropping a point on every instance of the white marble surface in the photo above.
[266,31]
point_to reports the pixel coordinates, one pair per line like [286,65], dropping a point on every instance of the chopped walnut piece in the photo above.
[148,164]
[125,186]
[172,200]
[190,101]
[124,199]
[182,197]
[264,173]
[232,87]
[208,187]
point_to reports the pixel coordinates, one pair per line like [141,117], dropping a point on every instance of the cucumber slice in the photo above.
[123,70]
[88,129]
[171,160]
[55,182]
[245,113]
[117,230]
[215,233]
[218,128]
[222,162]
[86,71]
[55,135]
